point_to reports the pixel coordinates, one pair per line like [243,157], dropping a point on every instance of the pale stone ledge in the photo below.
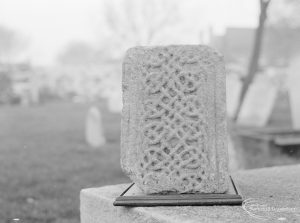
[276,187]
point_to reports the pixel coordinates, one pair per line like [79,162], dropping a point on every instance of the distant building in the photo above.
[279,45]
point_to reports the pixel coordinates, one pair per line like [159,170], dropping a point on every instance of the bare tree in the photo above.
[254,61]
[138,22]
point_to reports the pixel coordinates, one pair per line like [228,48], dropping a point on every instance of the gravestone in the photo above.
[174,119]
[258,103]
[233,90]
[93,128]
[294,91]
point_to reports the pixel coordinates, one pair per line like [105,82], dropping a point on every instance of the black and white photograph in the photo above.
[149,111]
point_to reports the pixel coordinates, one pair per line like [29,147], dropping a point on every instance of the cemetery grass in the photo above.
[44,161]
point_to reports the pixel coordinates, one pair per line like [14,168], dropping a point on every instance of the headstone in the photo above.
[258,103]
[93,128]
[174,119]
[233,90]
[294,91]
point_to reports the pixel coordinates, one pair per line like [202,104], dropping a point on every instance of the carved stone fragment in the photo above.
[174,119]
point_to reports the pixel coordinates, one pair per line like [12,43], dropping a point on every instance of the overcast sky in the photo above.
[49,25]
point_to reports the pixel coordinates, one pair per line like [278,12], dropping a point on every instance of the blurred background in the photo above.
[60,89]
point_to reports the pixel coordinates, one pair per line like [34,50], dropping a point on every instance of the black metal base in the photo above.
[135,199]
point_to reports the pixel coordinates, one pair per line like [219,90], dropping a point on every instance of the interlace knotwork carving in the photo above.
[174,120]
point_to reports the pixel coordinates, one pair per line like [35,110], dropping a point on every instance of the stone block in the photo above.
[272,188]
[173,135]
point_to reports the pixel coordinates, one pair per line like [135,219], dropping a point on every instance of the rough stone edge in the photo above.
[126,128]
[221,124]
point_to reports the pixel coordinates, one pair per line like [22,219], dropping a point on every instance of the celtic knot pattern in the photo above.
[174,119]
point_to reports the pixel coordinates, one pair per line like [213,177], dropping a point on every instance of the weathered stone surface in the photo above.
[174,119]
[277,187]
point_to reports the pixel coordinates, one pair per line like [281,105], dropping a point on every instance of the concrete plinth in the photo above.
[277,188]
